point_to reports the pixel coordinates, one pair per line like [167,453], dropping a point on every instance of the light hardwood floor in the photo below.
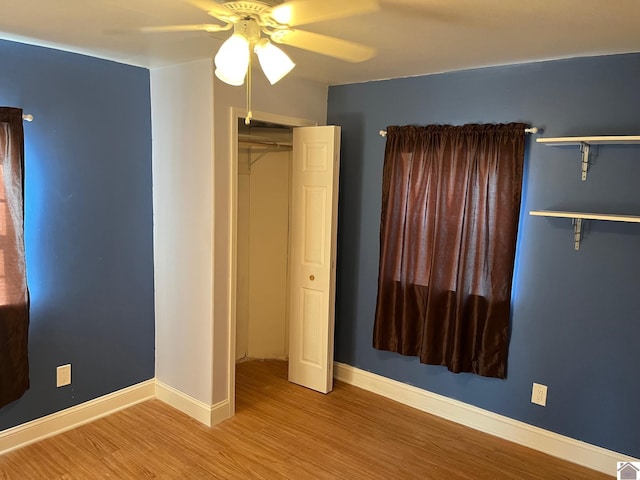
[283,431]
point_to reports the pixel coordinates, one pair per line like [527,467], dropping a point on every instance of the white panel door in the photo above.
[314,215]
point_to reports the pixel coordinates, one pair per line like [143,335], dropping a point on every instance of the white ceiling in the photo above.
[413,37]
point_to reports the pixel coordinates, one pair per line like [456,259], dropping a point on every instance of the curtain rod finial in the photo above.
[28,117]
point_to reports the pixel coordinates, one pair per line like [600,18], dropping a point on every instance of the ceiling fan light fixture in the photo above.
[232,60]
[234,79]
[274,62]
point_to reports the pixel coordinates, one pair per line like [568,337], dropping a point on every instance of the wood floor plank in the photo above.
[283,431]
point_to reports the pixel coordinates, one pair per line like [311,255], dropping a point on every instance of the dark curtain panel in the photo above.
[14,297]
[450,208]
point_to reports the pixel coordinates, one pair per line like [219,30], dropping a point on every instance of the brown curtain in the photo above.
[450,208]
[14,296]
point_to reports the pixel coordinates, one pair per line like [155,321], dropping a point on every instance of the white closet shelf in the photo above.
[578,217]
[599,140]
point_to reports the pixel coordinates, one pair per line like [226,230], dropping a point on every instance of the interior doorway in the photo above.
[309,266]
[261,152]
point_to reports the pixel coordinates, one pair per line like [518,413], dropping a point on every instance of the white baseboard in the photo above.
[59,422]
[204,413]
[566,448]
[220,412]
[73,417]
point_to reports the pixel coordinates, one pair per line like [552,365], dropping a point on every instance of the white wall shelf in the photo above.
[578,217]
[585,142]
[599,140]
[587,216]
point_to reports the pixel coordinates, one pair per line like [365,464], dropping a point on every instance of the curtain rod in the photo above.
[383,133]
[28,117]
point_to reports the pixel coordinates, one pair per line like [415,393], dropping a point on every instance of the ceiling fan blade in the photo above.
[330,46]
[205,27]
[300,12]
[216,10]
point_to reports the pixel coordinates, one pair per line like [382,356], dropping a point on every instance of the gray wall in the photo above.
[88,224]
[575,314]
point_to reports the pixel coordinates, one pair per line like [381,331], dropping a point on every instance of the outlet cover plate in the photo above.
[539,394]
[63,375]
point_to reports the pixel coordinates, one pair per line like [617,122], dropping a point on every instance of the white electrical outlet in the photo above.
[63,375]
[539,394]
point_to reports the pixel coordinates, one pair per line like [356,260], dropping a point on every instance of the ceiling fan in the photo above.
[251,19]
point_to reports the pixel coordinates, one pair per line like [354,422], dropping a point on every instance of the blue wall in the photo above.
[575,314]
[88,224]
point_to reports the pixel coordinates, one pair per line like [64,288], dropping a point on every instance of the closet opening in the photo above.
[264,156]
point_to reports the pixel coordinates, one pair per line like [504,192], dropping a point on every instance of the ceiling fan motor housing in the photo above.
[255,10]
[247,8]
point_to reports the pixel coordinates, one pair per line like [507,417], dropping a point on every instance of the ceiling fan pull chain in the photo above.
[247,119]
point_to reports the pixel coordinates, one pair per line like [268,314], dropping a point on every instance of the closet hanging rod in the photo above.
[383,133]
[250,143]
[28,117]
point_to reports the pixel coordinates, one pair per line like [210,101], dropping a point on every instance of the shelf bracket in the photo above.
[577,232]
[584,148]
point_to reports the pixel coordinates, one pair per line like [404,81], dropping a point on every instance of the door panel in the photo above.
[315,206]
[311,332]
[313,250]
